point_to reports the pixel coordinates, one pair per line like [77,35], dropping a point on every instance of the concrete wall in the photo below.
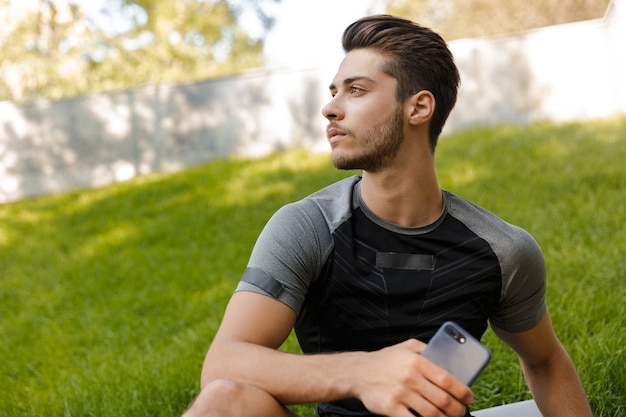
[561,73]
[564,72]
[101,138]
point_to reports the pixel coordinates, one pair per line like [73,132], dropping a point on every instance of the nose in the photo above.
[332,110]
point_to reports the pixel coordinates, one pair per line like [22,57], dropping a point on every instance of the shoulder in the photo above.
[327,207]
[505,238]
[311,219]
[337,196]
[521,261]
[295,243]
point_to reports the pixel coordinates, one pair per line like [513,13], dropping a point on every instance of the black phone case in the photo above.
[455,350]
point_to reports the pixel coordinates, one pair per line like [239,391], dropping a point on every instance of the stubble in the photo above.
[379,148]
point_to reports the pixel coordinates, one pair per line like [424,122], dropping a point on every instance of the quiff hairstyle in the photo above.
[416,57]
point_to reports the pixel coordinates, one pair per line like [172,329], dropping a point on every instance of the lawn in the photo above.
[109,297]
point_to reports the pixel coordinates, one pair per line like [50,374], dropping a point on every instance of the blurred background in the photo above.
[100,91]
[63,48]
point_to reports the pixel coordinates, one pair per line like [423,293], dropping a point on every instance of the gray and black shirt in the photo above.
[358,282]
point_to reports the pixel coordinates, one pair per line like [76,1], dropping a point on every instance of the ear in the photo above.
[420,107]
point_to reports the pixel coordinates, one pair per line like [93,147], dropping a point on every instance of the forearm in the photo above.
[290,378]
[556,387]
[390,381]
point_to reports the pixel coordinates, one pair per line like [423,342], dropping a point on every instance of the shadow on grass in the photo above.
[106,287]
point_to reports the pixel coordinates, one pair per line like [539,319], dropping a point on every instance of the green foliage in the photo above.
[454,19]
[55,50]
[110,297]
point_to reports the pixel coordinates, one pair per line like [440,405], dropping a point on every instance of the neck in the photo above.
[407,194]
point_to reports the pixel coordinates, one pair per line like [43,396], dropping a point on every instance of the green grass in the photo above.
[109,298]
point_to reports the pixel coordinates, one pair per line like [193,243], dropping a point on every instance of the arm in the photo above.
[548,370]
[390,381]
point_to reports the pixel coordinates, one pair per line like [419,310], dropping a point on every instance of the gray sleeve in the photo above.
[522,301]
[289,254]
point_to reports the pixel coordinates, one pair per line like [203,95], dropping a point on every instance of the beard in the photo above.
[378,148]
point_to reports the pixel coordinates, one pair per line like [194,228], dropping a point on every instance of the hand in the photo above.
[395,380]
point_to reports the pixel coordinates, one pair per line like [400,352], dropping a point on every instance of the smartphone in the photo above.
[458,352]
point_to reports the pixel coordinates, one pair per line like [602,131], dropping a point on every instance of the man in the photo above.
[368,268]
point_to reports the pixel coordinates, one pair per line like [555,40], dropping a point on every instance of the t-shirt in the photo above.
[358,282]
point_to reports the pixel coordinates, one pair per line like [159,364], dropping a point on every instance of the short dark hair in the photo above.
[416,56]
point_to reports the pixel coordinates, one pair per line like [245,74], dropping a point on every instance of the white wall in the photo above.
[102,138]
[564,72]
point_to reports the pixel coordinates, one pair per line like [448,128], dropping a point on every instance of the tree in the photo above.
[53,49]
[33,45]
[455,19]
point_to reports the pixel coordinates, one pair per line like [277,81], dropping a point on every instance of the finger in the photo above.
[419,406]
[447,382]
[422,409]
[431,399]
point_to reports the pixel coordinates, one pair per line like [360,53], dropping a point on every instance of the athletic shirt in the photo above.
[360,283]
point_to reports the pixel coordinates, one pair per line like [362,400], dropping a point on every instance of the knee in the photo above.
[216,399]
[224,398]
[226,390]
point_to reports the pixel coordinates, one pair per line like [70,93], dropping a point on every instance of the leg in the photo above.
[225,398]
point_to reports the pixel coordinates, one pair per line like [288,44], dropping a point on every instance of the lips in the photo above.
[333,133]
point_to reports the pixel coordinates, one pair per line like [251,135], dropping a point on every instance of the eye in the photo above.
[355,89]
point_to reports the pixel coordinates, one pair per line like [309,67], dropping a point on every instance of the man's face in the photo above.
[366,121]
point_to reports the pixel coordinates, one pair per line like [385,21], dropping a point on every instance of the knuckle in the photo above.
[444,401]
[389,403]
[397,395]
[445,381]
[387,406]
[406,379]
